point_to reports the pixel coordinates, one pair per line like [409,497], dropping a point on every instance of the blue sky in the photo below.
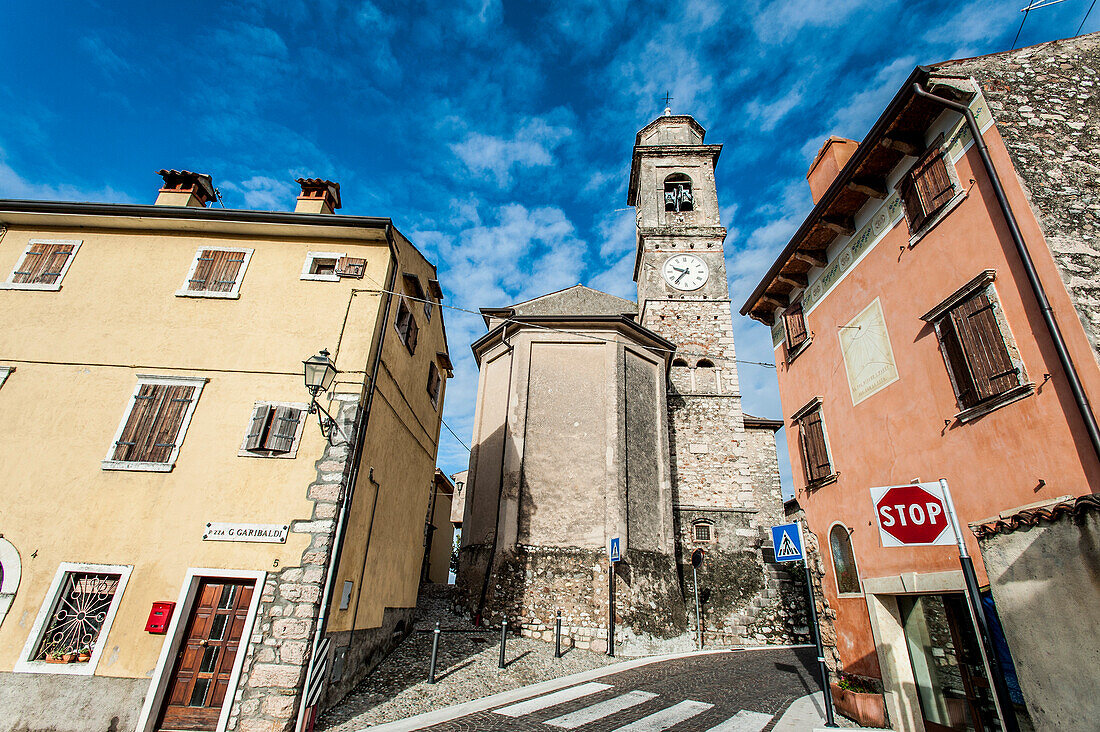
[496,135]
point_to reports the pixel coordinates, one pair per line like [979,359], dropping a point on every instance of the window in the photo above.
[703,531]
[11,570]
[406,326]
[434,383]
[274,430]
[794,325]
[43,265]
[815,447]
[844,560]
[68,634]
[216,272]
[428,305]
[154,424]
[678,195]
[331,266]
[975,344]
[927,187]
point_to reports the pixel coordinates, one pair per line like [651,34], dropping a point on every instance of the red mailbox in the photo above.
[159,617]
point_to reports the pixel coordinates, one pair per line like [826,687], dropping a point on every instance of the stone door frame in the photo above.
[158,686]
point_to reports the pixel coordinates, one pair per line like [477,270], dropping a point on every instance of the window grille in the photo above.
[77,617]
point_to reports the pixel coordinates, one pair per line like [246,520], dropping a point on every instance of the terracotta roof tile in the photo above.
[1033,516]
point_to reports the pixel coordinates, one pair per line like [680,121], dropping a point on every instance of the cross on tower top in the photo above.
[668,107]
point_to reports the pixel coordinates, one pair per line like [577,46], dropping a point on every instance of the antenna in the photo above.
[1035,5]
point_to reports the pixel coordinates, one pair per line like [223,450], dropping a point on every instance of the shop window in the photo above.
[43,265]
[981,357]
[844,560]
[68,634]
[216,272]
[155,422]
[274,430]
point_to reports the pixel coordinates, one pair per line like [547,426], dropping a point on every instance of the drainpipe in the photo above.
[345,506]
[1029,266]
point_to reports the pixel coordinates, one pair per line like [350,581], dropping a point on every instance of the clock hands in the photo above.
[682,273]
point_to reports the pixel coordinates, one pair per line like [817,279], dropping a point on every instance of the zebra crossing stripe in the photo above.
[550,700]
[665,718]
[744,721]
[600,710]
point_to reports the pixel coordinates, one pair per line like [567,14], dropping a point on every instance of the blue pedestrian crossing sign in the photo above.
[614,554]
[787,540]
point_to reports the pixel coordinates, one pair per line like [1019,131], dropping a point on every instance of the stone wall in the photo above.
[70,703]
[278,652]
[1043,573]
[530,584]
[1045,102]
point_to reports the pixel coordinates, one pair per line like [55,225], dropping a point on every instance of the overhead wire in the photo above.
[563,330]
[1085,18]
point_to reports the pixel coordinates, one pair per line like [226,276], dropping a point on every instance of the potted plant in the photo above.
[56,652]
[859,699]
[84,654]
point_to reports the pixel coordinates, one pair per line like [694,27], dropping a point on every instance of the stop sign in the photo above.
[910,515]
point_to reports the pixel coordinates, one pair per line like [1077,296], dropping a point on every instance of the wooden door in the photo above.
[200,677]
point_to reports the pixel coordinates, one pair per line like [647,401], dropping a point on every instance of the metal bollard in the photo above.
[435,652]
[503,640]
[557,635]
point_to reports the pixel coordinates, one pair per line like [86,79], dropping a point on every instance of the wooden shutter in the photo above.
[351,267]
[813,446]
[414,331]
[795,325]
[957,362]
[260,417]
[139,424]
[169,420]
[216,271]
[404,317]
[284,427]
[42,264]
[927,187]
[984,346]
[225,269]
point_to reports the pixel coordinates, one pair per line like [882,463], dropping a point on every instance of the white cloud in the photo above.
[491,156]
[263,193]
[779,20]
[13,185]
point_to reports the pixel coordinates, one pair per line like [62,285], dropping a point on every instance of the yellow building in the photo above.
[182,547]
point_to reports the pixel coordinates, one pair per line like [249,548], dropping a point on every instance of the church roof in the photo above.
[575,300]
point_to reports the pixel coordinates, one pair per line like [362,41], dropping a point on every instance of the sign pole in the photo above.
[611,609]
[829,721]
[973,596]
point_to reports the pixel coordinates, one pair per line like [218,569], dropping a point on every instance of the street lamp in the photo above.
[319,373]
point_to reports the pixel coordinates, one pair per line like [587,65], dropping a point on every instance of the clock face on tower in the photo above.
[685,272]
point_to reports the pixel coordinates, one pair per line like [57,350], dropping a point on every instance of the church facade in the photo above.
[599,418]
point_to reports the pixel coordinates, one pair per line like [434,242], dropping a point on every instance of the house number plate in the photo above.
[262,533]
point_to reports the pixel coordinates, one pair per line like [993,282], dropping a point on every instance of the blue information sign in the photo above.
[787,539]
[613,552]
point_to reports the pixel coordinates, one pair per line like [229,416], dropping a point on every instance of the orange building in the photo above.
[912,345]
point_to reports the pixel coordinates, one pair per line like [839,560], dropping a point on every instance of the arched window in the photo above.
[679,362]
[678,196]
[10,571]
[702,531]
[844,560]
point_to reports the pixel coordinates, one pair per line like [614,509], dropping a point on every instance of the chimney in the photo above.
[830,160]
[318,196]
[184,188]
